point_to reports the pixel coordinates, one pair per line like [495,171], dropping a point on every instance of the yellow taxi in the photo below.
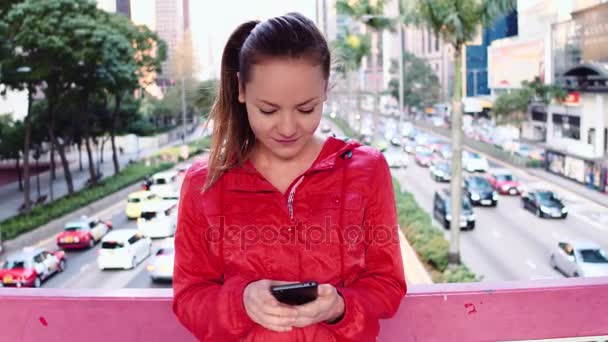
[135,200]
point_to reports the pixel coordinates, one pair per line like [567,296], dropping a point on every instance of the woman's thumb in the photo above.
[324,290]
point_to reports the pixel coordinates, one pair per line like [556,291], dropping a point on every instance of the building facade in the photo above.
[170,25]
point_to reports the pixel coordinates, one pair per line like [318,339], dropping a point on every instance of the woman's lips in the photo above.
[285,141]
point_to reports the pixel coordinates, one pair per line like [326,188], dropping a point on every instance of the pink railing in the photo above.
[545,309]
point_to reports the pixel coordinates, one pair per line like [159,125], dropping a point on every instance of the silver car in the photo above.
[161,265]
[580,259]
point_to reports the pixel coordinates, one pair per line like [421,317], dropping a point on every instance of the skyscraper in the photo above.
[171,22]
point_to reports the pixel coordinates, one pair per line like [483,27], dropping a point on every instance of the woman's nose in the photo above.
[287,126]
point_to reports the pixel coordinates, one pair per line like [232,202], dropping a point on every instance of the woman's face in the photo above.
[284,100]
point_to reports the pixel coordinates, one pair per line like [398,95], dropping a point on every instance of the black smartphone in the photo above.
[295,294]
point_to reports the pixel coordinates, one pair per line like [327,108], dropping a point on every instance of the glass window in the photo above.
[12,264]
[134,239]
[134,200]
[148,215]
[594,256]
[38,258]
[567,248]
[160,181]
[567,126]
[505,178]
[73,228]
[112,245]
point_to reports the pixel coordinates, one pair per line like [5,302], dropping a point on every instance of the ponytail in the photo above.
[232,136]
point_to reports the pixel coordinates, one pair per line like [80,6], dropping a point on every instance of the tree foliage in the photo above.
[420,84]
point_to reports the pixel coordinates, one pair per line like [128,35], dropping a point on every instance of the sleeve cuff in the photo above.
[235,287]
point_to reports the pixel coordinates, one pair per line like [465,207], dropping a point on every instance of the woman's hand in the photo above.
[328,306]
[265,310]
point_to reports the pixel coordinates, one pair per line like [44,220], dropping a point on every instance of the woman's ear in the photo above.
[241,89]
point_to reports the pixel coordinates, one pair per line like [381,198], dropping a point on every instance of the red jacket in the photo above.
[335,224]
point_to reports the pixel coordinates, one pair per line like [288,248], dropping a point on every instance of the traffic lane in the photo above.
[485,248]
[473,252]
[143,281]
[81,260]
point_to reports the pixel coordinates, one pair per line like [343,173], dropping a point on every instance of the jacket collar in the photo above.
[247,179]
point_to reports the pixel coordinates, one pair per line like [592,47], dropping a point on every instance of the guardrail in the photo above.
[540,309]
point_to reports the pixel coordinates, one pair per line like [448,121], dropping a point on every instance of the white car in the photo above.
[164,182]
[158,220]
[396,160]
[580,259]
[161,265]
[123,248]
[473,162]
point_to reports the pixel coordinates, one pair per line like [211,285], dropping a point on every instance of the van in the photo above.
[158,220]
[123,248]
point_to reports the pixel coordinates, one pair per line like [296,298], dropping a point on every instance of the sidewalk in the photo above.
[12,198]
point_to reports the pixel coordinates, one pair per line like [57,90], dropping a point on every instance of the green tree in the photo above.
[205,96]
[512,107]
[349,51]
[44,32]
[456,22]
[371,14]
[420,84]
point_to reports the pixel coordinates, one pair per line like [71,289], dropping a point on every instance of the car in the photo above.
[395,141]
[424,157]
[161,265]
[544,203]
[441,172]
[504,182]
[442,209]
[135,200]
[480,191]
[409,145]
[473,162]
[580,259]
[444,151]
[325,128]
[183,168]
[123,248]
[396,160]
[158,220]
[30,267]
[164,182]
[83,233]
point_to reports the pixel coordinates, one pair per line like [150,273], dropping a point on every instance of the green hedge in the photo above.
[131,174]
[343,126]
[427,240]
[40,215]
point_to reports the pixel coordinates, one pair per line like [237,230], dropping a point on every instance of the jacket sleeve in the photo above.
[211,308]
[378,292]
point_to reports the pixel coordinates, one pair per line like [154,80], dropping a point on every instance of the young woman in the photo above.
[276,204]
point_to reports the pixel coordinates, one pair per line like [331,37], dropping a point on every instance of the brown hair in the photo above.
[292,36]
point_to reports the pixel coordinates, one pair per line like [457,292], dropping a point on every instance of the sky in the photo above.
[213,21]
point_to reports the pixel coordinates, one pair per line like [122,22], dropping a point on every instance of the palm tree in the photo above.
[350,51]
[371,14]
[457,22]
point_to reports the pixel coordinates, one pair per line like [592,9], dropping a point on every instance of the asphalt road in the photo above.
[508,242]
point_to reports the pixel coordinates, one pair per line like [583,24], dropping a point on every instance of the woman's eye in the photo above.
[267,112]
[307,111]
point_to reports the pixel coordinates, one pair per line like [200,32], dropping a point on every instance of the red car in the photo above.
[83,233]
[30,267]
[505,183]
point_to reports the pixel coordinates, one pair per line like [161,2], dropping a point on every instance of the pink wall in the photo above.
[448,312]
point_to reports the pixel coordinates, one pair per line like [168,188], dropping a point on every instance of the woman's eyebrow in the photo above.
[276,105]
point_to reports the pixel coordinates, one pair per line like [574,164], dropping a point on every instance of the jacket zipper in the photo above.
[292,195]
